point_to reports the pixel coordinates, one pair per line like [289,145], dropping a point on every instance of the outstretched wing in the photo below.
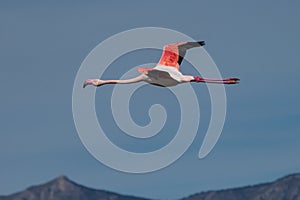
[173,54]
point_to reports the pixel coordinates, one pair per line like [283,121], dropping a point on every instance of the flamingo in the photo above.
[166,73]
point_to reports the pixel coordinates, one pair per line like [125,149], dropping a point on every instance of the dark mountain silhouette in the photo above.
[61,188]
[286,188]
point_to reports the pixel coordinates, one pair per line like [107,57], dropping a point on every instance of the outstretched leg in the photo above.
[217,81]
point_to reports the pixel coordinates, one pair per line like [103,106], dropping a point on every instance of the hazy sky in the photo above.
[42,45]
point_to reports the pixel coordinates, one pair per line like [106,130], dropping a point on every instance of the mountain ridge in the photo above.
[285,188]
[62,188]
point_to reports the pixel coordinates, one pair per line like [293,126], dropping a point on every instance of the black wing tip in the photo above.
[201,43]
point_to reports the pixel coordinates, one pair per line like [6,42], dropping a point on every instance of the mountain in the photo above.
[62,188]
[286,188]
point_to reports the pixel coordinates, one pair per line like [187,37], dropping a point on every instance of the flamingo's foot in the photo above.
[232,81]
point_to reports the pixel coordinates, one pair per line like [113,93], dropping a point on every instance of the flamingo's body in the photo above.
[166,73]
[162,75]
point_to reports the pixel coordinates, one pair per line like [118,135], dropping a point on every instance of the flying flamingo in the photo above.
[166,73]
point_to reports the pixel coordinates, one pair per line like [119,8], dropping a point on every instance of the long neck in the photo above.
[126,81]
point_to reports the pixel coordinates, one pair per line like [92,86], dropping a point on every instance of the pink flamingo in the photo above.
[166,73]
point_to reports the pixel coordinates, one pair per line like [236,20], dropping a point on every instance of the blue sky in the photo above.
[42,45]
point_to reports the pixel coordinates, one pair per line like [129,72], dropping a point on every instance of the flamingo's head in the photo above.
[93,82]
